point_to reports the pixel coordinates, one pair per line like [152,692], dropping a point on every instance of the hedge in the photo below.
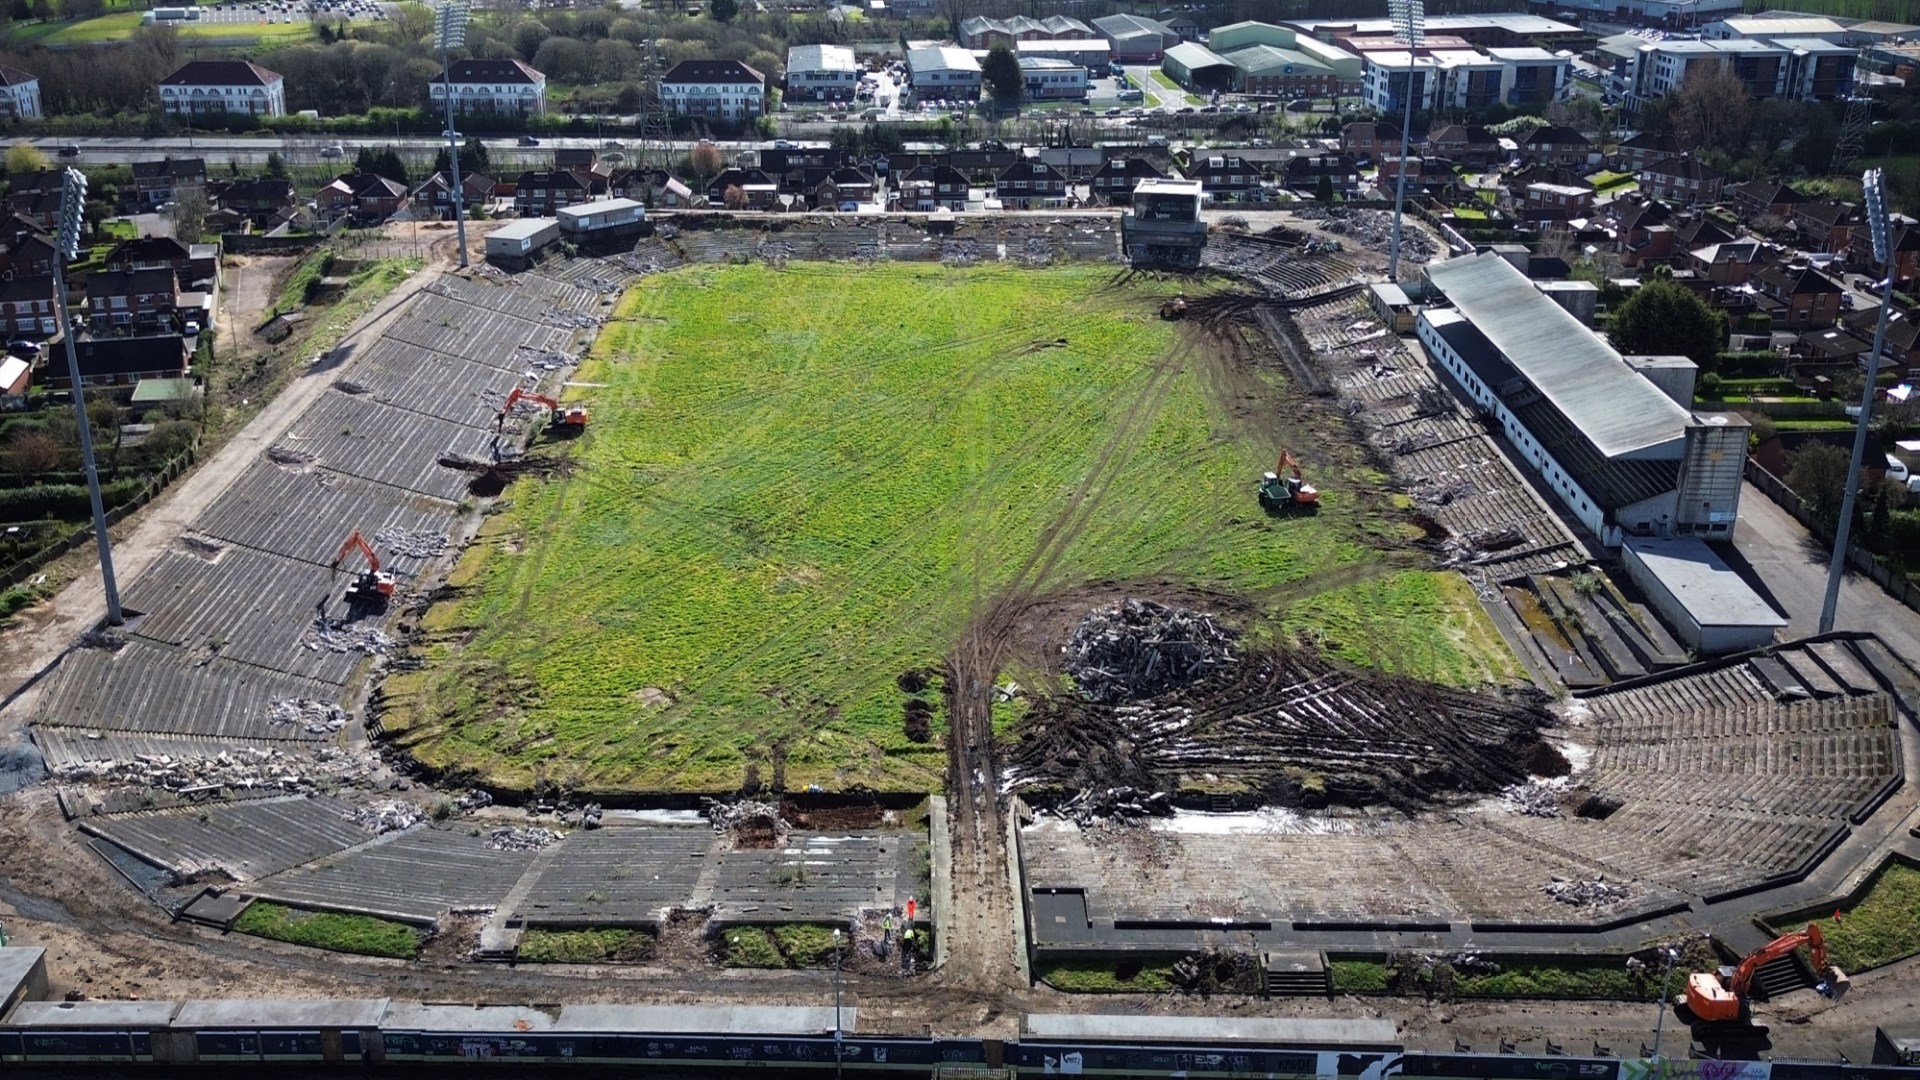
[63,501]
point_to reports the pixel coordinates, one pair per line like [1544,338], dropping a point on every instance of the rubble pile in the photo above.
[749,822]
[413,543]
[1294,726]
[1036,252]
[511,838]
[1112,804]
[1535,798]
[1371,228]
[345,637]
[1138,648]
[569,320]
[313,717]
[960,253]
[774,253]
[298,460]
[381,818]
[637,266]
[1218,971]
[1592,893]
[349,386]
[248,767]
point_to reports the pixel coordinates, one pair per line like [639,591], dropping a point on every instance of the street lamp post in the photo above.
[1409,25]
[450,25]
[838,1057]
[73,200]
[1873,188]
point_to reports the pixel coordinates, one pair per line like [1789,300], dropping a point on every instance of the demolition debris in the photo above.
[384,817]
[511,838]
[1290,726]
[313,717]
[246,768]
[413,543]
[345,637]
[750,823]
[1592,893]
[1112,804]
[1138,648]
[1371,228]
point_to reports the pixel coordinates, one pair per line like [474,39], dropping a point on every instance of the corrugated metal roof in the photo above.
[1613,406]
[1193,56]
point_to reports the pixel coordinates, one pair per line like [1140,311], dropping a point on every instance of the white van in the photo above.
[1897,470]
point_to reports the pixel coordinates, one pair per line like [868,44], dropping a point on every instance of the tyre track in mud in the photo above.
[980,927]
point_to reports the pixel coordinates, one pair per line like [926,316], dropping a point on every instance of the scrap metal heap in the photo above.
[1166,701]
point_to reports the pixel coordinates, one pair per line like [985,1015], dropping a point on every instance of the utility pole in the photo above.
[73,202]
[1410,27]
[839,1058]
[1873,187]
[450,28]
[1660,1012]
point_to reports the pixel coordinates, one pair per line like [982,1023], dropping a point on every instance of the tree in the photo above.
[708,160]
[735,197]
[189,214]
[1711,110]
[1666,319]
[1001,72]
[723,11]
[1880,521]
[1818,473]
[25,157]
[276,165]
[1325,190]
[473,159]
[32,451]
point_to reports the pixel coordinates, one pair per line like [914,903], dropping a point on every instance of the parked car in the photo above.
[1897,470]
[26,350]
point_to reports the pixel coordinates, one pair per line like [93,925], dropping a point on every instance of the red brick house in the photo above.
[28,306]
[1799,297]
[1825,226]
[1685,180]
[126,300]
[123,361]
[936,187]
[1029,184]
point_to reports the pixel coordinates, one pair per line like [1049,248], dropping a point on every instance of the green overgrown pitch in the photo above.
[800,484]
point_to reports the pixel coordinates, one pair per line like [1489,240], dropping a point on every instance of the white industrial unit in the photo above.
[1712,608]
[515,245]
[608,215]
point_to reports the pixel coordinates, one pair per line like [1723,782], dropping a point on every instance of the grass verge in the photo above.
[1883,927]
[119,26]
[363,935]
[589,946]
[1083,977]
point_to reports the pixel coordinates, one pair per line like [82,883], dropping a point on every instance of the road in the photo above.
[1793,568]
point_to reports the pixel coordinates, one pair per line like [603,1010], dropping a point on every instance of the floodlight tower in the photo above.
[1410,27]
[73,201]
[450,32]
[1873,188]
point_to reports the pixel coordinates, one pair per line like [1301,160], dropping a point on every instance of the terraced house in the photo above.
[714,90]
[132,299]
[216,87]
[496,87]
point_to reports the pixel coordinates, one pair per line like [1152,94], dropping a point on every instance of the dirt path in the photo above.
[244,303]
[28,649]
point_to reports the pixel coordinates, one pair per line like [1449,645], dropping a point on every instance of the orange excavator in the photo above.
[1721,996]
[371,586]
[564,416]
[1285,489]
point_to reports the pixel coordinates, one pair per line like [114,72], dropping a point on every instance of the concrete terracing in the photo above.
[1724,782]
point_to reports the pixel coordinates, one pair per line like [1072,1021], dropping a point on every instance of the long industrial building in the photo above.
[1618,443]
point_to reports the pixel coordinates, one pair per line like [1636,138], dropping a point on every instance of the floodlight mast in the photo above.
[1410,28]
[1873,188]
[450,31]
[73,201]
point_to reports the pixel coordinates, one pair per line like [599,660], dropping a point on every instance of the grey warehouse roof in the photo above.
[1616,409]
[1193,56]
[1710,591]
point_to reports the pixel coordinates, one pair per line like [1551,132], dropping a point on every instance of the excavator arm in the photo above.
[1715,996]
[353,543]
[563,415]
